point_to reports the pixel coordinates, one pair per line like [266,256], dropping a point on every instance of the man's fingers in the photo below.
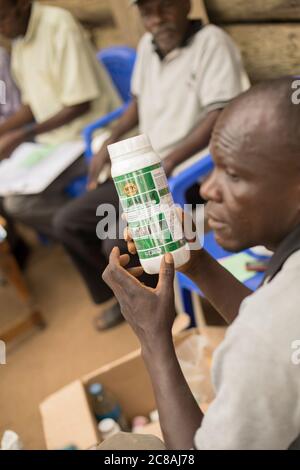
[131,248]
[124,260]
[117,277]
[127,234]
[136,272]
[188,225]
[166,274]
[130,243]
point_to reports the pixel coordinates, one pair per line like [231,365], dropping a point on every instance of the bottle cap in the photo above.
[154,416]
[134,144]
[106,425]
[11,441]
[95,389]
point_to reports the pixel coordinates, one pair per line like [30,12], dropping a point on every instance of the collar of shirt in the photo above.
[288,246]
[194,27]
[33,21]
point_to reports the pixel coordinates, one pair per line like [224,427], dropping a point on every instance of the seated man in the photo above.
[256,149]
[10,103]
[63,88]
[184,75]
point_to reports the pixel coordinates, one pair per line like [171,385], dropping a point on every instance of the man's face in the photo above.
[11,19]
[166,20]
[249,200]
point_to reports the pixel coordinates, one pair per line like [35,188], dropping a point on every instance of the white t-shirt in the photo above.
[55,66]
[256,372]
[176,92]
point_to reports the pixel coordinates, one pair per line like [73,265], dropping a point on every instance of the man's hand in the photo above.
[97,164]
[193,265]
[10,141]
[150,312]
[168,165]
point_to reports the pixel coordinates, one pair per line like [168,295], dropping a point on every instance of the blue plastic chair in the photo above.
[179,185]
[119,62]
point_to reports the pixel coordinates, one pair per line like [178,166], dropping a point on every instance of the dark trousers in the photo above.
[38,210]
[75,227]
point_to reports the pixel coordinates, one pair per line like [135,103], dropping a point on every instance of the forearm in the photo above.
[126,123]
[18,120]
[63,117]
[219,287]
[197,141]
[179,413]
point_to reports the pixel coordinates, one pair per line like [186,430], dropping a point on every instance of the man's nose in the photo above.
[210,189]
[157,17]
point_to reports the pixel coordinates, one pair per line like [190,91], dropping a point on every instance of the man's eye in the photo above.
[232,175]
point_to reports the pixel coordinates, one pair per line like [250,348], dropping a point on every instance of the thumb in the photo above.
[166,274]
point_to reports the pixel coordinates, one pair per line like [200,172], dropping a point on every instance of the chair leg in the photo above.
[199,314]
[12,272]
[33,319]
[14,275]
[188,305]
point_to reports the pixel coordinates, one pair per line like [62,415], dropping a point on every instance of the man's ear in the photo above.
[188,7]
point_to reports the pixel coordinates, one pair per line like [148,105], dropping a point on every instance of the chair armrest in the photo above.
[181,182]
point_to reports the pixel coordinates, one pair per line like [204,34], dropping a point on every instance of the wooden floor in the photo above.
[42,362]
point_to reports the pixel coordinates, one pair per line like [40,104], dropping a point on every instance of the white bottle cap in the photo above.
[154,416]
[107,425]
[11,441]
[134,144]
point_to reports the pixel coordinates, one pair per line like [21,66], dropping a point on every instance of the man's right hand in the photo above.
[97,164]
[192,265]
[10,141]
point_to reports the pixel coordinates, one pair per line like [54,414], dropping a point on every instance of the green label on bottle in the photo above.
[151,216]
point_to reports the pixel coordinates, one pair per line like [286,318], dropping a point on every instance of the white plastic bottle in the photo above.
[144,193]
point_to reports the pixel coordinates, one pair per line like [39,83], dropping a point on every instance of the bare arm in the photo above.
[63,117]
[25,116]
[126,123]
[26,129]
[218,285]
[179,414]
[16,121]
[151,313]
[195,142]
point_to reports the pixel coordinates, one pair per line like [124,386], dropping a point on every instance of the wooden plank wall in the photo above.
[267,31]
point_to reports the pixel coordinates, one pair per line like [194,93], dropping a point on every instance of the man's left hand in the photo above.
[150,312]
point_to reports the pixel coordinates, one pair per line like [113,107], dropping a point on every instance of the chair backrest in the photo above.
[119,62]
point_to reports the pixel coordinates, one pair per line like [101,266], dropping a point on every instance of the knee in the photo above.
[62,224]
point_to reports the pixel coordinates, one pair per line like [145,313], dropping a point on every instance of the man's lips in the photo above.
[215,223]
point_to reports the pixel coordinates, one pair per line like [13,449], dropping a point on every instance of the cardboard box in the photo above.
[67,415]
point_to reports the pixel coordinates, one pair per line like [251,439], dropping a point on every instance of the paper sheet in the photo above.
[236,265]
[33,167]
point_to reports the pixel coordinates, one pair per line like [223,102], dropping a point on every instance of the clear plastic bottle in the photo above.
[144,193]
[106,406]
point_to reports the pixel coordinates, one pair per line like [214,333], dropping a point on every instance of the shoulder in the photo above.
[212,36]
[57,18]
